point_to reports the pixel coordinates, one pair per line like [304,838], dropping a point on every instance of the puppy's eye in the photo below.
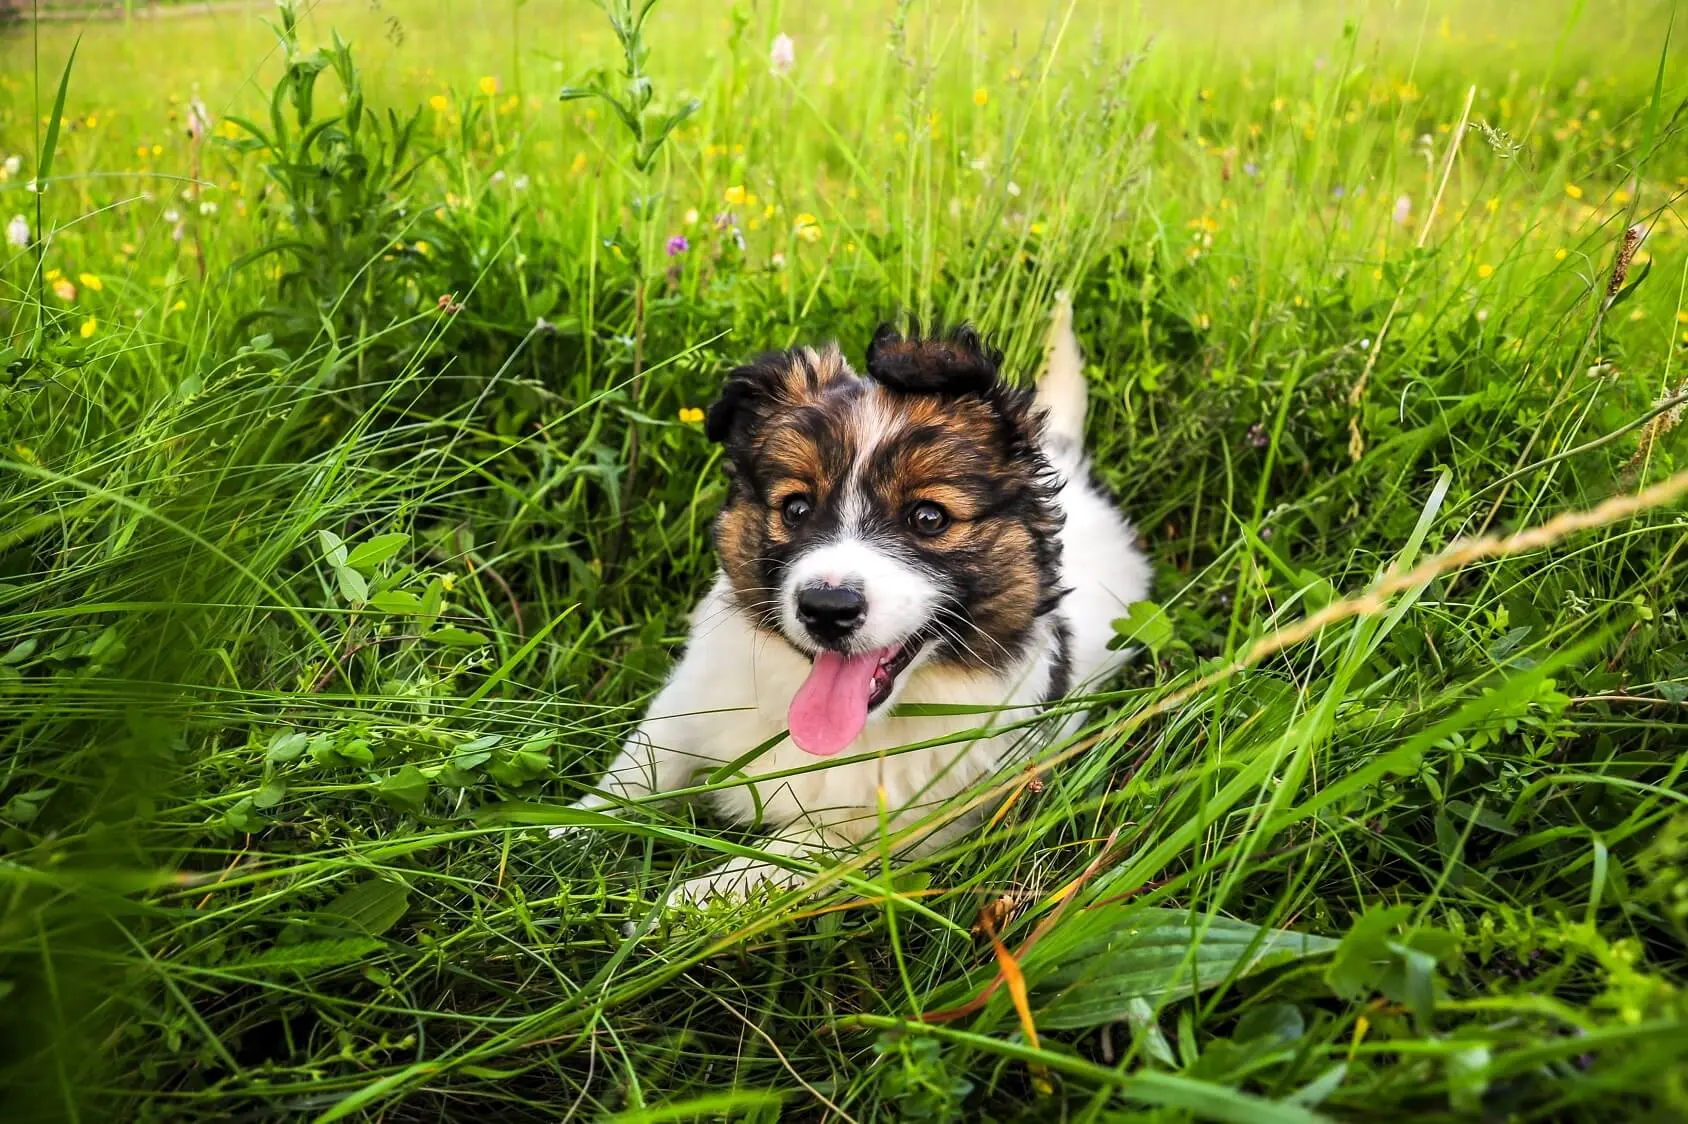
[795,509]
[927,518]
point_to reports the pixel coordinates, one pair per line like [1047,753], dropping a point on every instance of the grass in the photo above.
[352,497]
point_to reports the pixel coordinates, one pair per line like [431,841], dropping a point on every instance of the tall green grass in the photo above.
[352,498]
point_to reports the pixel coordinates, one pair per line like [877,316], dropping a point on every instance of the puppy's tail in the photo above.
[1061,391]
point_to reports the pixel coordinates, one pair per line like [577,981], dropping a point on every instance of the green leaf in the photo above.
[353,586]
[1088,971]
[333,548]
[269,794]
[1364,954]
[475,752]
[373,906]
[406,788]
[1146,624]
[50,142]
[396,601]
[367,555]
[456,637]
[306,956]
[286,746]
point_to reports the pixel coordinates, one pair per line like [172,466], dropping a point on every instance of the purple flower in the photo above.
[1251,169]
[1337,192]
[678,245]
[725,219]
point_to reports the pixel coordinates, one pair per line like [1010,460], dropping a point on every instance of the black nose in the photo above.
[831,612]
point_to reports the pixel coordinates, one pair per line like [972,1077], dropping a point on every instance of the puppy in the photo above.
[925,534]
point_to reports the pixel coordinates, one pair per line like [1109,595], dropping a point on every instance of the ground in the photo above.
[353,490]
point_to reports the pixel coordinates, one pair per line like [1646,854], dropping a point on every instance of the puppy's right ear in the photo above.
[778,380]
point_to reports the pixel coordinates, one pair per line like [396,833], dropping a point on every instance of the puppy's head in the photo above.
[885,521]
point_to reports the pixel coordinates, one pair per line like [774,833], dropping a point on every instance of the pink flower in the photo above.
[678,245]
[782,56]
[1403,209]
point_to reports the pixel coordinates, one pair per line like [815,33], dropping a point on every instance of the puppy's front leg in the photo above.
[808,840]
[641,769]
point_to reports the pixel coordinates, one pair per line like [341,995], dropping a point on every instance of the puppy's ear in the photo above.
[775,381]
[957,362]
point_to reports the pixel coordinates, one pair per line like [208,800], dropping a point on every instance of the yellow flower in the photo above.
[88,327]
[1035,228]
[1205,223]
[90,281]
[1561,254]
[64,290]
[421,247]
[158,150]
[1620,197]
[1492,205]
[1573,191]
[179,306]
[489,85]
[691,415]
[806,227]
[54,274]
[1485,271]
[141,150]
[447,582]
[579,163]
[735,195]
[93,120]
[438,103]
[1682,317]
[981,96]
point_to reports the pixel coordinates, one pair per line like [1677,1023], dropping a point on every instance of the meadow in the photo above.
[353,492]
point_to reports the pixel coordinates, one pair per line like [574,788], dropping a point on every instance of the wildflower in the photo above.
[178,306]
[807,227]
[448,306]
[199,119]
[208,208]
[1035,228]
[520,183]
[64,290]
[1251,169]
[691,415]
[691,216]
[421,246]
[735,195]
[1258,437]
[91,281]
[782,56]
[678,245]
[1492,205]
[89,326]
[1403,209]
[13,165]
[777,261]
[981,96]
[1561,254]
[17,232]
[1205,223]
[158,150]
[1485,271]
[1620,197]
[489,86]
[438,103]
[1013,189]
[1682,317]
[579,164]
[1573,191]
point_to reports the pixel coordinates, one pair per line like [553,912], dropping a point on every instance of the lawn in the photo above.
[353,493]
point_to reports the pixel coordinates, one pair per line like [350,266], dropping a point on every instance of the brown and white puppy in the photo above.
[925,534]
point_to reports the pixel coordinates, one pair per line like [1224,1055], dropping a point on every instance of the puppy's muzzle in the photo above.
[831,613]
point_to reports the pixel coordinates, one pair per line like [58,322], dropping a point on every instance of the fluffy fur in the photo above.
[1004,597]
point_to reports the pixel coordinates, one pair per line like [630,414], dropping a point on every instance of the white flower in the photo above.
[17,232]
[777,261]
[208,208]
[172,215]
[1013,189]
[520,183]
[199,119]
[782,56]
[1403,209]
[13,164]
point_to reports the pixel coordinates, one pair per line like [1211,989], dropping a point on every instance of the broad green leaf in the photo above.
[456,637]
[353,586]
[396,601]
[333,549]
[406,788]
[373,906]
[1145,624]
[367,555]
[1088,971]
[306,956]
[286,746]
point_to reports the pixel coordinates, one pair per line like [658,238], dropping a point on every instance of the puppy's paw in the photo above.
[735,881]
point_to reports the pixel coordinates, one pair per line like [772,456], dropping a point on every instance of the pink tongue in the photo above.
[830,708]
